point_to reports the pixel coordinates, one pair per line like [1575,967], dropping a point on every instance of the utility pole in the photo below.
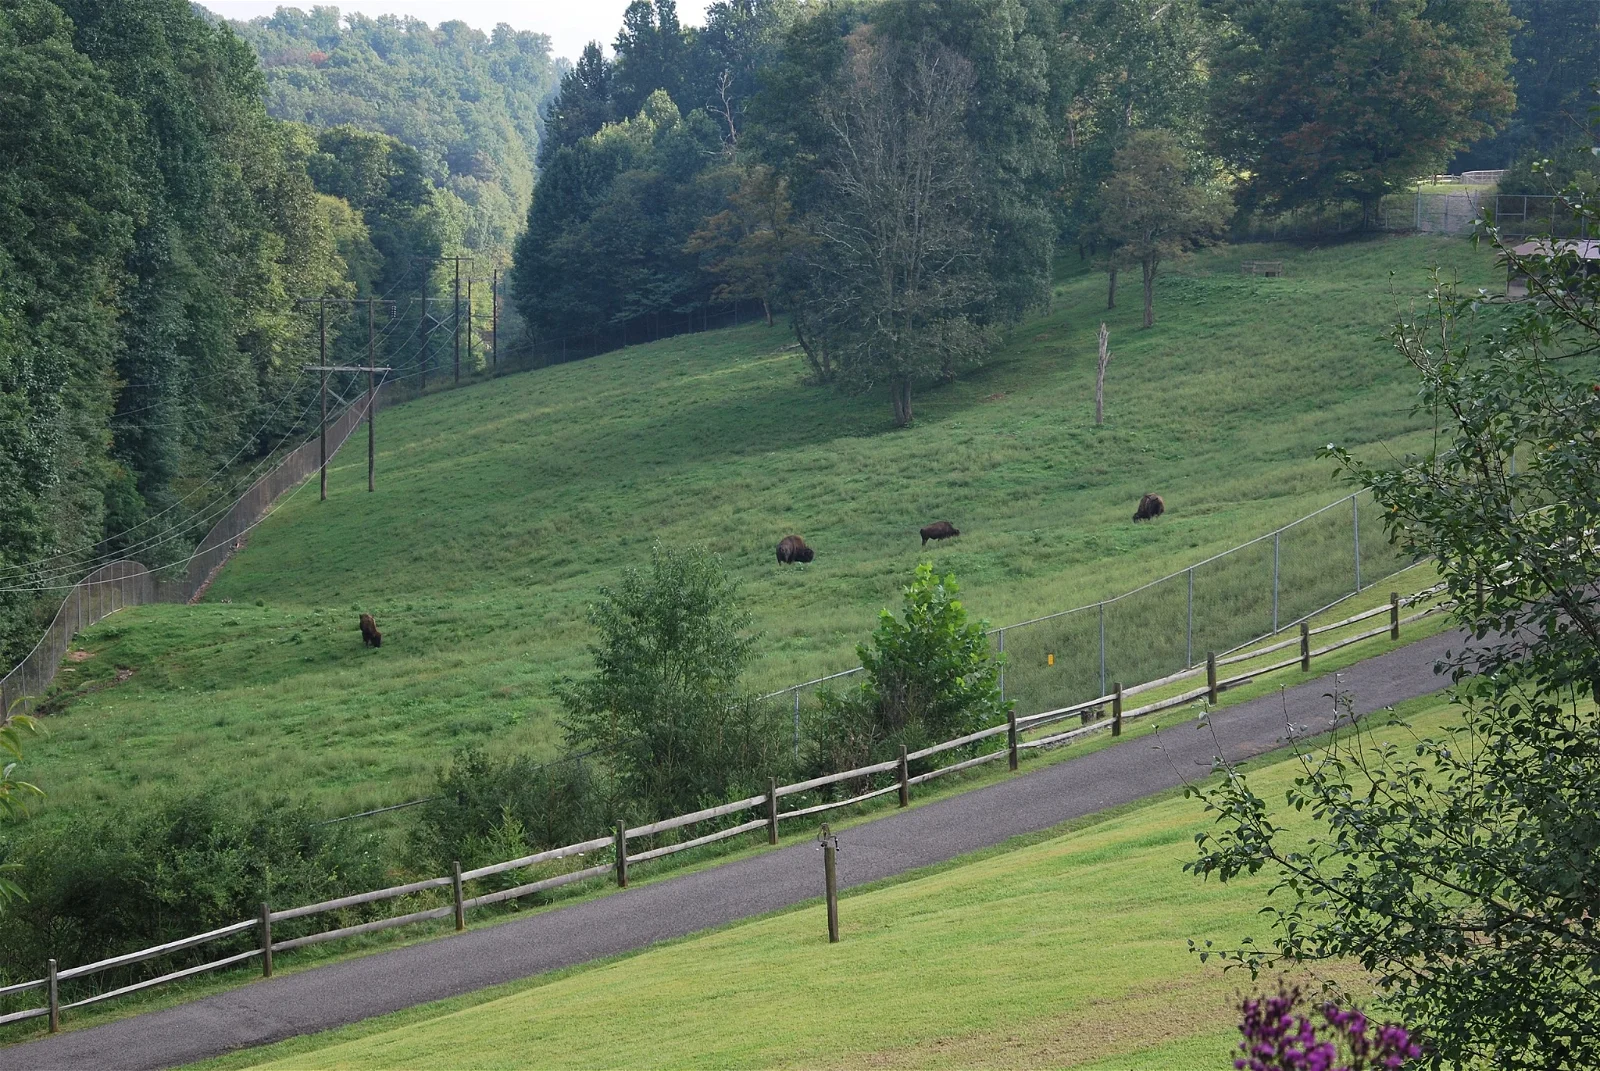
[470,365]
[372,401]
[422,345]
[322,425]
[494,317]
[455,326]
[322,368]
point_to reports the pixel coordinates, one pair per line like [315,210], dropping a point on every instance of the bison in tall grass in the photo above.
[939,530]
[792,549]
[1150,507]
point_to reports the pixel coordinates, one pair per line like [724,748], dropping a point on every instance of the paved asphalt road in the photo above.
[326,997]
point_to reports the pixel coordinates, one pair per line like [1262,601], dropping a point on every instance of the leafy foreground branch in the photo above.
[1463,869]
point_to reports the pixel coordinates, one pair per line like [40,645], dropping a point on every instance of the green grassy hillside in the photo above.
[502,508]
[1070,952]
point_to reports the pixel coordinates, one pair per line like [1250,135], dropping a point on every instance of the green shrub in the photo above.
[488,810]
[930,676]
[663,709]
[107,885]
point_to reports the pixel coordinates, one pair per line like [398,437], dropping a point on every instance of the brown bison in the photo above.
[369,632]
[1149,506]
[793,549]
[939,530]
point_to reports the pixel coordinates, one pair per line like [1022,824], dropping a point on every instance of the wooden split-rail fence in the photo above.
[1106,712]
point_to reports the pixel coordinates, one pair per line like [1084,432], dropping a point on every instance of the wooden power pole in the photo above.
[494,318]
[322,425]
[322,368]
[470,365]
[372,400]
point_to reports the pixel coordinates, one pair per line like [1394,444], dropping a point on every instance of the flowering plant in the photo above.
[1279,1037]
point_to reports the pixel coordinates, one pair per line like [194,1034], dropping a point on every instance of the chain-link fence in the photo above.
[1228,601]
[111,587]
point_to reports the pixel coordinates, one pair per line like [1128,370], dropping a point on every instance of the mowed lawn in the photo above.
[1069,952]
[503,508]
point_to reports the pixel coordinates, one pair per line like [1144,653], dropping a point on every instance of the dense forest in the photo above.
[176,193]
[467,104]
[155,225]
[897,176]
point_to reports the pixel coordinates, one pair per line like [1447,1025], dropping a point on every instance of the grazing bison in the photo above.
[939,530]
[793,549]
[1149,506]
[369,632]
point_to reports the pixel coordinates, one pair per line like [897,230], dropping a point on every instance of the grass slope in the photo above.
[1068,952]
[502,508]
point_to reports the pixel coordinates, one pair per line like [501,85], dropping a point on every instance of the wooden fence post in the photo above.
[266,940]
[455,887]
[772,810]
[905,778]
[1011,737]
[1116,709]
[1394,615]
[55,1000]
[830,883]
[622,855]
[1305,647]
[1211,676]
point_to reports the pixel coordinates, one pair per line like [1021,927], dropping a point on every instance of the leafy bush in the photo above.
[124,881]
[930,676]
[1548,173]
[663,709]
[488,811]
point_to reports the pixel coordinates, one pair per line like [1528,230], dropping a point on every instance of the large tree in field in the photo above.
[1322,100]
[1461,867]
[1153,207]
[895,258]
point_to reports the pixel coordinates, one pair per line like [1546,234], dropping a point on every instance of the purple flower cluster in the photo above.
[1279,1037]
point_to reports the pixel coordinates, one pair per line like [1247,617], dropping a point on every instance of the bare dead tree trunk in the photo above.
[766,311]
[1100,376]
[1149,266]
[1111,289]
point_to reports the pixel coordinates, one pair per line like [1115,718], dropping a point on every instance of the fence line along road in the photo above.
[614,849]
[128,583]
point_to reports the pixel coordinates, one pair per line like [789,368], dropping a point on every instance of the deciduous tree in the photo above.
[1321,100]
[1462,867]
[1153,207]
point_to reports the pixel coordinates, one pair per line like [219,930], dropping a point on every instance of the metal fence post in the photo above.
[1275,583]
[1102,648]
[1001,637]
[1355,528]
[1188,631]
